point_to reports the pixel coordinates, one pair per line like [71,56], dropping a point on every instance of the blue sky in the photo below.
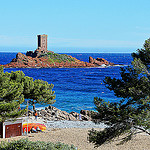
[90,25]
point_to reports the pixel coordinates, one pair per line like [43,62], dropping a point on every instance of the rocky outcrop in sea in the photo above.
[100,62]
[50,59]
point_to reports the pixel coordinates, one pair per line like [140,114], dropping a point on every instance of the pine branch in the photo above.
[142,129]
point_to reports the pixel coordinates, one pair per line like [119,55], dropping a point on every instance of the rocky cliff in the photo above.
[53,60]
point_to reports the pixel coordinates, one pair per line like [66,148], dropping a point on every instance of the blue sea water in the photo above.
[75,88]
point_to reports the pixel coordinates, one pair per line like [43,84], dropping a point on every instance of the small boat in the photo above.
[35,125]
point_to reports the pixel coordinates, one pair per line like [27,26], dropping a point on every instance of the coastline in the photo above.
[102,66]
[65,93]
[52,113]
[76,133]
[48,59]
[66,123]
[68,135]
[78,137]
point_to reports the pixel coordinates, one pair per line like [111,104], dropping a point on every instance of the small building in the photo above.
[11,128]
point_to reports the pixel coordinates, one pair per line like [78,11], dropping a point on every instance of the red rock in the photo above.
[91,60]
[23,61]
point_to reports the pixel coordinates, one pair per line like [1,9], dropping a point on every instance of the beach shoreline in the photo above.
[76,133]
[78,137]
[64,123]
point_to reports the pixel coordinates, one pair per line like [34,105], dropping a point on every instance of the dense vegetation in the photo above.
[11,96]
[25,144]
[15,87]
[54,57]
[132,112]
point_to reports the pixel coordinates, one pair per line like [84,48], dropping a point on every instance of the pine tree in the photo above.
[39,91]
[15,87]
[10,97]
[132,112]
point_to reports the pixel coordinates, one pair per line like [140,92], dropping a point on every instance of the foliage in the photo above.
[40,92]
[144,54]
[51,61]
[54,57]
[11,95]
[132,112]
[25,144]
[37,91]
[15,87]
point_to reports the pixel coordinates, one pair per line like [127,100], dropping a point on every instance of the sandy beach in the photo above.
[77,135]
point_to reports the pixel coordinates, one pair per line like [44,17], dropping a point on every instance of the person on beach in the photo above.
[33,130]
[38,129]
[24,131]
[19,108]
[35,114]
[80,118]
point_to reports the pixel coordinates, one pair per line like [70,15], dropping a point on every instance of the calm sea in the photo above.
[75,88]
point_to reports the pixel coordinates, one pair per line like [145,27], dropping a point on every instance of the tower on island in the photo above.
[42,46]
[42,42]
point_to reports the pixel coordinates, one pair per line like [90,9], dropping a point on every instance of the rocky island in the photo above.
[42,58]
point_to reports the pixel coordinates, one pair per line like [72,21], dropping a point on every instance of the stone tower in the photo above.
[42,43]
[42,47]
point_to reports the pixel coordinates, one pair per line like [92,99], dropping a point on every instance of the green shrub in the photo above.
[51,61]
[60,57]
[25,144]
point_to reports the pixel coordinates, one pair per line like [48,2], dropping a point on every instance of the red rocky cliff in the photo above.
[100,62]
[23,61]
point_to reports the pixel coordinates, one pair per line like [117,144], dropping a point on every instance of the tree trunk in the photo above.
[33,106]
